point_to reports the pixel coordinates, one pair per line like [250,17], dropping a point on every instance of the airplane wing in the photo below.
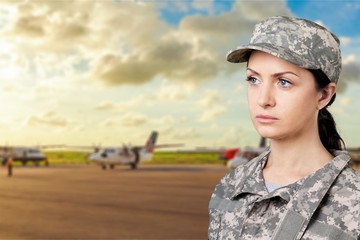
[51,146]
[169,145]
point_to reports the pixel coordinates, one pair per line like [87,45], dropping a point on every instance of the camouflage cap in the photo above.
[298,41]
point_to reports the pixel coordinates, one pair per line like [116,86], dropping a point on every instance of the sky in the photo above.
[109,72]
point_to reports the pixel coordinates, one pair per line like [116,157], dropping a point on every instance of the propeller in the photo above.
[96,147]
[126,150]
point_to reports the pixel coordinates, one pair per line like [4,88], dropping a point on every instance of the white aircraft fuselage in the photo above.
[117,155]
[111,156]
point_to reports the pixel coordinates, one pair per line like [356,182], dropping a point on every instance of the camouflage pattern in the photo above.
[298,41]
[323,205]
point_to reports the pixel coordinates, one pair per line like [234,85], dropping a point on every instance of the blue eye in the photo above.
[284,83]
[252,80]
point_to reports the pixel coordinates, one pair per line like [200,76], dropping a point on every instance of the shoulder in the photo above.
[342,203]
[340,208]
[347,181]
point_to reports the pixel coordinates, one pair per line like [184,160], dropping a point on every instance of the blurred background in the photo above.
[87,74]
[107,71]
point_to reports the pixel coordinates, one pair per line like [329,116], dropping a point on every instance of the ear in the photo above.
[326,94]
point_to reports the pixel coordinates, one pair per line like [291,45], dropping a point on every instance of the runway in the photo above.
[85,202]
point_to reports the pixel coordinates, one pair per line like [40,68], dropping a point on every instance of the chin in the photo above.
[267,132]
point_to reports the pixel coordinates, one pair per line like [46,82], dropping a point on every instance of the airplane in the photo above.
[128,155]
[246,154]
[23,154]
[228,154]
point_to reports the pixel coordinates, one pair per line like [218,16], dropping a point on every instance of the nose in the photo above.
[266,96]
[92,157]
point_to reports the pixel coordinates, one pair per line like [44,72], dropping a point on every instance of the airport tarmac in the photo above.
[86,202]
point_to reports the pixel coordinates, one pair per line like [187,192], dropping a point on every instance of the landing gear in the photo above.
[133,166]
[111,166]
[137,159]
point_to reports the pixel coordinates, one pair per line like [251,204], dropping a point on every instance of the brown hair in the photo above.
[329,135]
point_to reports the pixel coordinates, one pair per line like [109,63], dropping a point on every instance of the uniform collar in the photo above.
[250,180]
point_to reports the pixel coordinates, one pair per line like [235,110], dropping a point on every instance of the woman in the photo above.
[302,187]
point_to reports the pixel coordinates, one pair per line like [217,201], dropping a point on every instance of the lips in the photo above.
[266,118]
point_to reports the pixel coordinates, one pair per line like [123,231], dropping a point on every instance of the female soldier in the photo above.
[302,187]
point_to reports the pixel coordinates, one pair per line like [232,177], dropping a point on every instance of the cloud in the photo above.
[106,105]
[210,98]
[350,73]
[119,106]
[212,113]
[233,137]
[211,105]
[187,133]
[126,42]
[128,120]
[258,10]
[170,59]
[134,119]
[133,54]
[345,41]
[175,92]
[12,88]
[49,118]
[165,120]
[203,5]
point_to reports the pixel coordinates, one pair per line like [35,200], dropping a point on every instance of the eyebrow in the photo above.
[273,75]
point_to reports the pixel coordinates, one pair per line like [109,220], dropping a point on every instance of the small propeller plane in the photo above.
[128,155]
[22,154]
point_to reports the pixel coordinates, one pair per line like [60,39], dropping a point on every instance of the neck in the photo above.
[294,158]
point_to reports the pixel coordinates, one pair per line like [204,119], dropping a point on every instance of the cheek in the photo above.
[297,107]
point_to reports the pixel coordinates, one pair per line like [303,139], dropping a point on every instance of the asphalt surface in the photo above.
[85,202]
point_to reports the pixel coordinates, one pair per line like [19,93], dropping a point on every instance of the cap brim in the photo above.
[242,54]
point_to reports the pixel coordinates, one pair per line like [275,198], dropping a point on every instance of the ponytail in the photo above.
[329,135]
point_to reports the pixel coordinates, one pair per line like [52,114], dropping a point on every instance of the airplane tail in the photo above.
[150,143]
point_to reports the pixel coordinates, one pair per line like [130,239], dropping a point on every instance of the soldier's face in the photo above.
[282,97]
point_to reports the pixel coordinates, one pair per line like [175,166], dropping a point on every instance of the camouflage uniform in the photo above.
[323,205]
